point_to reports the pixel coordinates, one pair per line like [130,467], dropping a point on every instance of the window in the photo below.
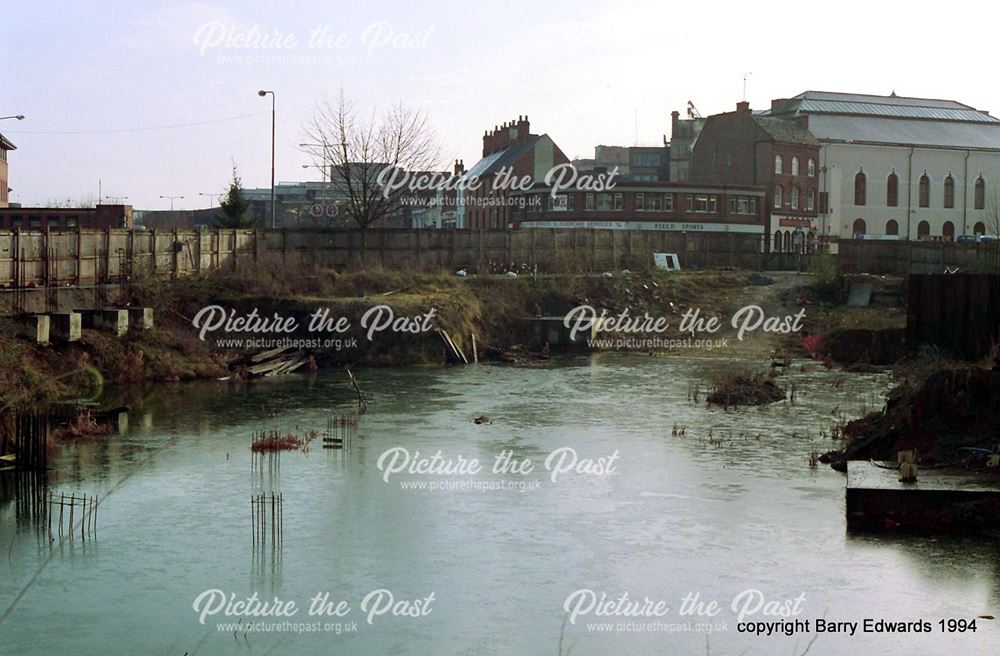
[891,227]
[795,197]
[777,241]
[71,222]
[811,167]
[923,229]
[778,192]
[619,202]
[980,200]
[949,192]
[16,221]
[892,190]
[589,202]
[979,229]
[742,205]
[668,202]
[795,165]
[648,202]
[811,200]
[604,202]
[704,203]
[779,164]
[860,188]
[924,192]
[824,202]
[859,227]
[648,160]
[948,231]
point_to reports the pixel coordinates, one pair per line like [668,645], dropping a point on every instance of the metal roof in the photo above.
[894,110]
[888,130]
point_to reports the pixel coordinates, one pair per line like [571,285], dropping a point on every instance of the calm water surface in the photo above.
[680,514]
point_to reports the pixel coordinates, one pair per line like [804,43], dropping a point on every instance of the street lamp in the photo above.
[19,117]
[262,93]
[211,198]
[172,199]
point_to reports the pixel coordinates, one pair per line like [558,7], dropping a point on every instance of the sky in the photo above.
[137,100]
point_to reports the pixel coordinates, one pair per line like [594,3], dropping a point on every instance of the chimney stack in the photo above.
[459,167]
[743,106]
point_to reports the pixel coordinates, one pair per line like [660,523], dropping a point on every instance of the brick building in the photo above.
[5,146]
[65,218]
[509,151]
[779,155]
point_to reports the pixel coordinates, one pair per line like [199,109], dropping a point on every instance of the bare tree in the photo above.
[356,150]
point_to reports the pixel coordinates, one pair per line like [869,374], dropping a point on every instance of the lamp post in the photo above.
[327,166]
[172,199]
[262,93]
[211,198]
[19,117]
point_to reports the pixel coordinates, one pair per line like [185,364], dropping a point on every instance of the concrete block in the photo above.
[34,327]
[112,320]
[65,326]
[140,318]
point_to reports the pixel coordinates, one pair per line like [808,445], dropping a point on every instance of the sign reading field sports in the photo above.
[670,226]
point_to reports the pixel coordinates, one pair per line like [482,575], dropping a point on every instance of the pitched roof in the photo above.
[869,129]
[823,102]
[785,131]
[6,144]
[505,158]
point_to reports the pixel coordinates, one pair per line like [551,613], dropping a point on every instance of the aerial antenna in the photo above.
[636,126]
[693,111]
[745,76]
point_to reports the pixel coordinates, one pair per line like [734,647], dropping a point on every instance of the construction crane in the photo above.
[693,111]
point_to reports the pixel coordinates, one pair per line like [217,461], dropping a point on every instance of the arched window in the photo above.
[979,229]
[811,199]
[788,242]
[948,230]
[949,192]
[860,188]
[891,227]
[980,193]
[924,195]
[795,197]
[778,193]
[923,229]
[777,241]
[892,190]
[779,164]
[811,167]
[795,165]
[859,227]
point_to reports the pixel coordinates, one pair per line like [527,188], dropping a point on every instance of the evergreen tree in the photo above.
[234,206]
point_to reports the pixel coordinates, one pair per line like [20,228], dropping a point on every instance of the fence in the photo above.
[959,314]
[82,257]
[904,257]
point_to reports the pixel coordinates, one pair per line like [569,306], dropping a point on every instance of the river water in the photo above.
[728,504]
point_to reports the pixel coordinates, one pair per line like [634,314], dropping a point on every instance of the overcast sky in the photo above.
[94,77]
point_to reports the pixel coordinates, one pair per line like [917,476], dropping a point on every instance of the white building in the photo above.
[901,168]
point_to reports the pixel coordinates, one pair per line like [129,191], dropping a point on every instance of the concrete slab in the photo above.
[65,326]
[112,320]
[860,294]
[34,327]
[140,318]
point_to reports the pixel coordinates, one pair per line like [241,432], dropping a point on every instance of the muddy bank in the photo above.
[941,415]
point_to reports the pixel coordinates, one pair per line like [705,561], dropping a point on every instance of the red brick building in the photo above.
[65,218]
[5,146]
[780,155]
[509,151]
